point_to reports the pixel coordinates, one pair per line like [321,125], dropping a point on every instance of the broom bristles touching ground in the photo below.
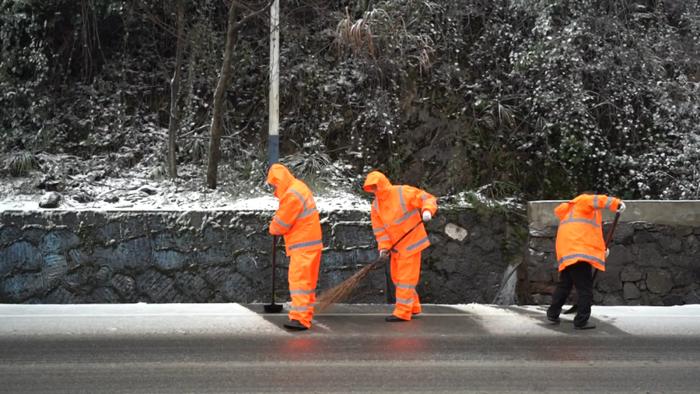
[344,289]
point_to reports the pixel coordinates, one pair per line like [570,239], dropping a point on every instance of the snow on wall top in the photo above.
[189,201]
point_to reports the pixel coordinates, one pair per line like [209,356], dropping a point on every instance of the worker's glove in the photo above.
[427,216]
[383,254]
[607,253]
[621,207]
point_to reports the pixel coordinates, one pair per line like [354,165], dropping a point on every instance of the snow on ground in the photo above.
[134,319]
[680,320]
[127,181]
[96,185]
[236,319]
[145,195]
[88,186]
[325,203]
[170,200]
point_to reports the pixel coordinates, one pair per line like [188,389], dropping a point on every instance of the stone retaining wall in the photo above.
[654,256]
[224,256]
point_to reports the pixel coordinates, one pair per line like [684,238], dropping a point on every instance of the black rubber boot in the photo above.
[585,326]
[553,320]
[394,319]
[295,325]
[553,317]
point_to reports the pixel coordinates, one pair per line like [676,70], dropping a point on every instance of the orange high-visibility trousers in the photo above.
[302,276]
[405,272]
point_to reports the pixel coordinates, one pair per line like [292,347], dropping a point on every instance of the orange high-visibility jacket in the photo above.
[297,218]
[395,210]
[580,233]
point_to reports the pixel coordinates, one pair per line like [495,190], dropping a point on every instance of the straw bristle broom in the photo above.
[344,289]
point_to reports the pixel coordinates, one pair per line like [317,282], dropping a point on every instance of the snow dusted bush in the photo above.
[553,96]
[546,97]
[611,106]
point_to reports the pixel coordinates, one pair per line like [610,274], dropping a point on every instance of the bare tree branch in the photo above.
[252,15]
[155,19]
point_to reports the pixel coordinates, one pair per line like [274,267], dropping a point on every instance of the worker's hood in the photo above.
[280,178]
[563,209]
[377,183]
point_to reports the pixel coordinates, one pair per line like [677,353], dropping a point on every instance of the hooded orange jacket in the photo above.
[395,210]
[580,232]
[297,218]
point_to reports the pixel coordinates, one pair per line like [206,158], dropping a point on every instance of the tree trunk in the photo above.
[218,106]
[174,124]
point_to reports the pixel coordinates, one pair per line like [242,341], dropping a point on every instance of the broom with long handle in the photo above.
[344,289]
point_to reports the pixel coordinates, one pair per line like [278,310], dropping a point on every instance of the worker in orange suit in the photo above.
[298,220]
[397,211]
[580,246]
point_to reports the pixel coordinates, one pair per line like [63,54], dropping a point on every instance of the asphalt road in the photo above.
[224,348]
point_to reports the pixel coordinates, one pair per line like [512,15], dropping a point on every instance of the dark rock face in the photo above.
[648,265]
[659,282]
[225,256]
[631,273]
[630,291]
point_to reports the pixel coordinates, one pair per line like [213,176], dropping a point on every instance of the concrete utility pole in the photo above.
[273,124]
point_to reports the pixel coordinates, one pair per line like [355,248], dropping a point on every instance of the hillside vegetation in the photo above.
[534,99]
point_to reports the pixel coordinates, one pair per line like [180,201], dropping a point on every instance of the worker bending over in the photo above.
[580,246]
[298,220]
[397,211]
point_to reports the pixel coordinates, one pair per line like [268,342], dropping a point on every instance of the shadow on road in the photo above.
[566,326]
[368,321]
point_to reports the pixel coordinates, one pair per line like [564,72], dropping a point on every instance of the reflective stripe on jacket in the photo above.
[297,218]
[580,232]
[395,210]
